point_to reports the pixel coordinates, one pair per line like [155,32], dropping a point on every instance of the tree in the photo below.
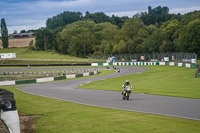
[77,39]
[189,40]
[141,46]
[130,28]
[169,29]
[63,19]
[154,41]
[22,31]
[4,33]
[44,39]
[155,15]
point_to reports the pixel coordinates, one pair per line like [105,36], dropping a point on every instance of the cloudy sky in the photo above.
[32,14]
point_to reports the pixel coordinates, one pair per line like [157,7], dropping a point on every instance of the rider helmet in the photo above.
[127,82]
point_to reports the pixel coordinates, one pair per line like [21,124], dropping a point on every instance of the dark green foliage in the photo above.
[76,39]
[62,19]
[98,17]
[22,31]
[4,33]
[98,34]
[45,39]
[156,15]
[189,39]
[190,17]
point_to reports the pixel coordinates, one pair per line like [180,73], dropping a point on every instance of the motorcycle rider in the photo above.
[126,85]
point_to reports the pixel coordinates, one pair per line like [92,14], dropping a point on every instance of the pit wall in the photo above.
[39,80]
[188,65]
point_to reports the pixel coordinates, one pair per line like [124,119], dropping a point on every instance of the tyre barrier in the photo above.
[188,65]
[9,113]
[47,79]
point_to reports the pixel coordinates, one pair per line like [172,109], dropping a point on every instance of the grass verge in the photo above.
[26,56]
[159,80]
[60,117]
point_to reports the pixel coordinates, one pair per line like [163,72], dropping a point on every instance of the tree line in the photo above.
[155,30]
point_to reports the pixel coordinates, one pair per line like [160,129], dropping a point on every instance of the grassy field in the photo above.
[21,42]
[26,56]
[25,53]
[159,80]
[57,116]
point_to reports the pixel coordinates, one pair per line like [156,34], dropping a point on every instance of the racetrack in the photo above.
[162,105]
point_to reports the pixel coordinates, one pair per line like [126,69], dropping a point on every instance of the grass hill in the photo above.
[28,57]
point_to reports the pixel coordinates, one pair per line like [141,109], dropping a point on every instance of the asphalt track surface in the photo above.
[153,104]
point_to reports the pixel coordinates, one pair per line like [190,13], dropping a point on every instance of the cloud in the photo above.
[184,10]
[18,28]
[32,14]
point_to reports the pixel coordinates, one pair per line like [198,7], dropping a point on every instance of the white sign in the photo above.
[166,58]
[193,61]
[142,57]
[7,55]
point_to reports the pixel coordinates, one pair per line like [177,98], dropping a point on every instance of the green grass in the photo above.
[25,53]
[28,62]
[26,56]
[198,61]
[57,116]
[159,80]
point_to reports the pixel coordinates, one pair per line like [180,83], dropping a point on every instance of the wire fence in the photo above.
[176,57]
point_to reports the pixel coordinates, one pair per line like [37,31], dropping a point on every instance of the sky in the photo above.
[32,14]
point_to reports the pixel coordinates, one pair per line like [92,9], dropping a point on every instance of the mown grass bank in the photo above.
[56,116]
[159,80]
[26,56]
[25,53]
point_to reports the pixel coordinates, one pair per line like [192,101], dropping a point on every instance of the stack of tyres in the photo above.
[7,101]
[9,112]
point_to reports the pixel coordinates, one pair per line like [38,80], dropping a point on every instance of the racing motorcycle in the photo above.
[126,92]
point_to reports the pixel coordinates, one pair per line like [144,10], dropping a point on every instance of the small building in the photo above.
[21,35]
[7,55]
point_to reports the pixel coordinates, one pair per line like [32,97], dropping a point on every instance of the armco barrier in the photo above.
[171,63]
[25,81]
[7,83]
[188,65]
[39,80]
[71,76]
[95,72]
[86,74]
[91,73]
[44,79]
[59,78]
[79,75]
